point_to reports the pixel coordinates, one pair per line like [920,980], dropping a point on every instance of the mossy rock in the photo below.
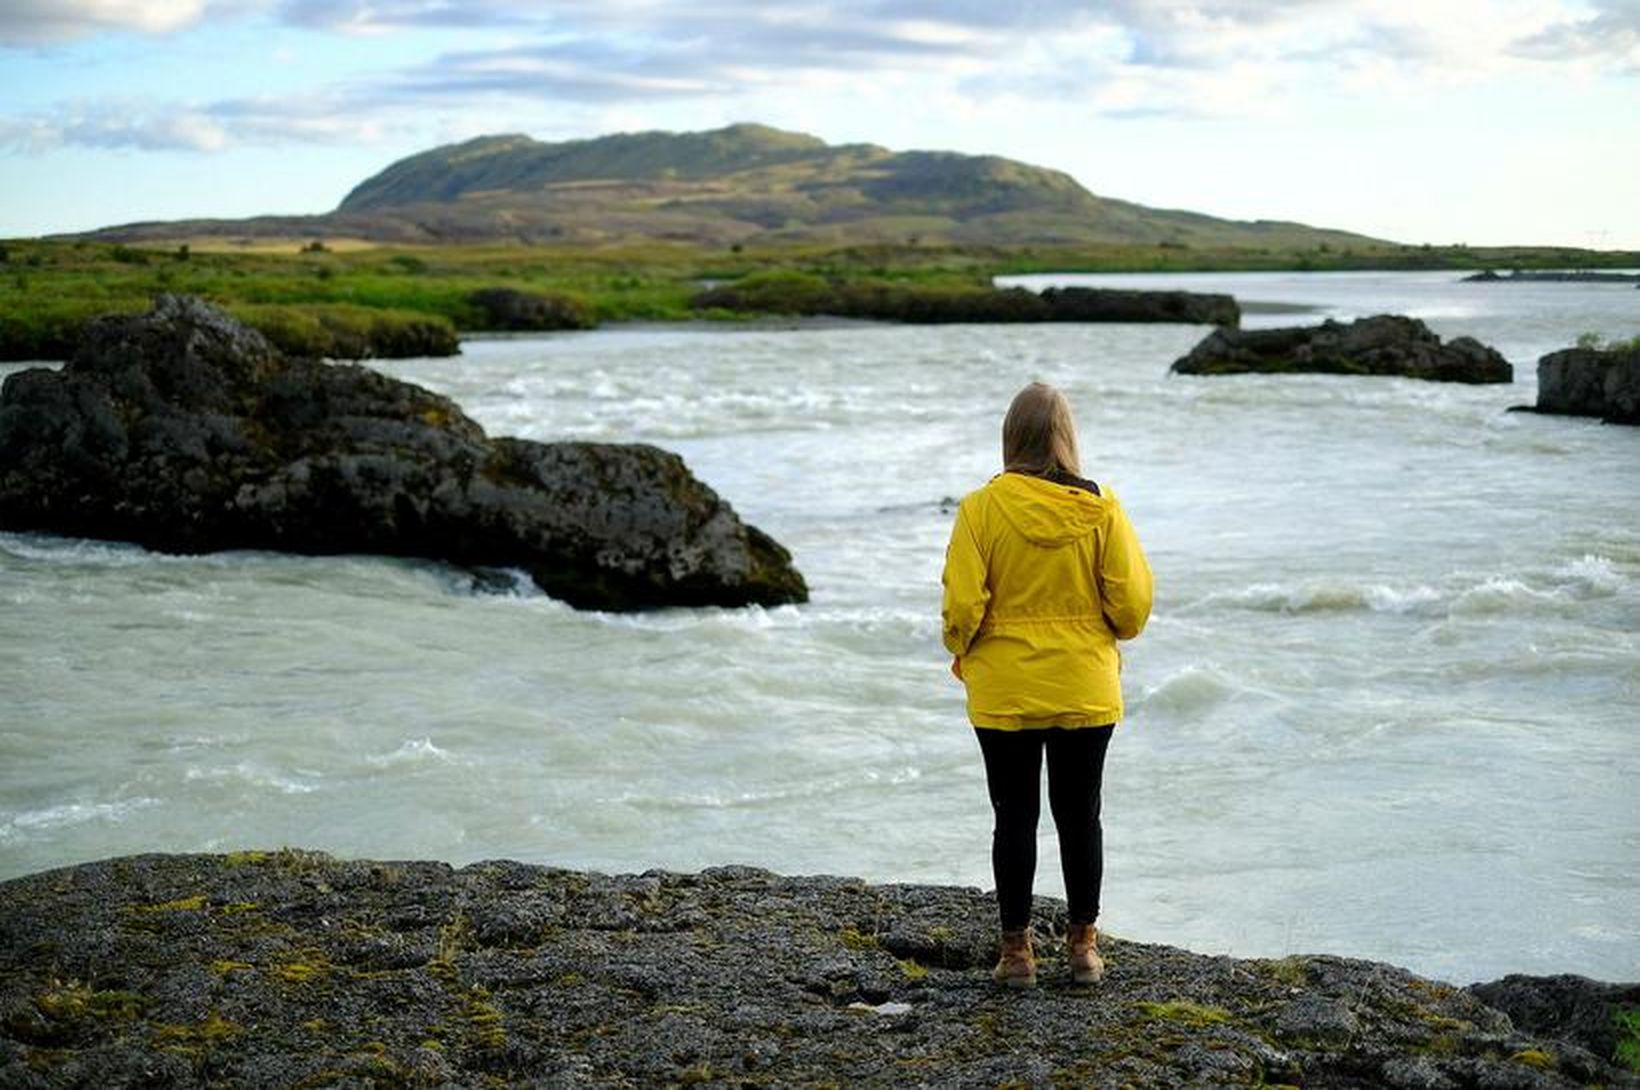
[731,975]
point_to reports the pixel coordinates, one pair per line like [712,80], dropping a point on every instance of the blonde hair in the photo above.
[1039,434]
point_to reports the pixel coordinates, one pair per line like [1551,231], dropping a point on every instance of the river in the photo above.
[1387,705]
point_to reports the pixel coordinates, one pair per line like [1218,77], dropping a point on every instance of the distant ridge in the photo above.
[739,184]
[518,164]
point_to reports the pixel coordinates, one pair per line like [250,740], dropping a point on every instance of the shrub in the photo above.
[50,328]
[779,291]
[1594,342]
[344,331]
[1628,1037]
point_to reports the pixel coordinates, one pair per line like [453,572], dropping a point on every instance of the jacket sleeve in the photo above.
[1125,583]
[966,592]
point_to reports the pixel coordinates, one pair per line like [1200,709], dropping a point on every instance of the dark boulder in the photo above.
[1566,1007]
[185,431]
[1115,305]
[1386,344]
[1591,382]
[510,310]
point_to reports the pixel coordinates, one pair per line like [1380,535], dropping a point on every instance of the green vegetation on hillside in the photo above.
[519,163]
[314,299]
[747,185]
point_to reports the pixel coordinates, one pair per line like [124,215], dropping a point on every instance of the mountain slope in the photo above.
[519,164]
[736,185]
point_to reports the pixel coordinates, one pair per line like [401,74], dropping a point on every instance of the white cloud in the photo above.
[1223,60]
[1118,58]
[114,125]
[28,22]
[29,136]
[1611,34]
[221,126]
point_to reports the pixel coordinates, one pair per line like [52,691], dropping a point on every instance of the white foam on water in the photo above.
[28,824]
[1594,576]
[1538,588]
[709,619]
[413,751]
[253,774]
[1192,691]
[1318,596]
[50,548]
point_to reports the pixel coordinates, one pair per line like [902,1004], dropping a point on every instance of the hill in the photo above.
[742,184]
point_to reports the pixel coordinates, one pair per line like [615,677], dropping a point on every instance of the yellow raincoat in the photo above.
[1041,579]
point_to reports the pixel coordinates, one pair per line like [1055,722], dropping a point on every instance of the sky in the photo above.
[1482,122]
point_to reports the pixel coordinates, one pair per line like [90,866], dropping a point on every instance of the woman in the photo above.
[1042,576]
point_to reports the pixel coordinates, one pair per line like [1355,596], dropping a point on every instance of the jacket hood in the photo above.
[1046,513]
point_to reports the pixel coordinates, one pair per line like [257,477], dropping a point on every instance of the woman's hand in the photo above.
[956,667]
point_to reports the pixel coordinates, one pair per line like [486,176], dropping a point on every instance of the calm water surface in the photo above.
[1386,707]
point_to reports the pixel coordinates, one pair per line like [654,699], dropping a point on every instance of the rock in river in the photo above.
[184,431]
[1603,382]
[1386,344]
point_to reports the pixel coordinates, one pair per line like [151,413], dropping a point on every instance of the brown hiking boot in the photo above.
[1087,967]
[1016,968]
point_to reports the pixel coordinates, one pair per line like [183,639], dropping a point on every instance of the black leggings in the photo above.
[1013,775]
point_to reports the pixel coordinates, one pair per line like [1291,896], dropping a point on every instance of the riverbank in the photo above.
[326,299]
[297,969]
[1574,276]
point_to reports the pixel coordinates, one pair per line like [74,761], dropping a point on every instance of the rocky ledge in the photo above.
[185,431]
[804,294]
[1552,276]
[295,969]
[1386,344]
[1603,382]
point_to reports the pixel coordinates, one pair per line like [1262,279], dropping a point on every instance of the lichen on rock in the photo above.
[289,968]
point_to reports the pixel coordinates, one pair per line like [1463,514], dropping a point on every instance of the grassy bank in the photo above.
[361,300]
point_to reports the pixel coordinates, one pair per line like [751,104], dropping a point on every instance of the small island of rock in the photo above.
[1552,276]
[185,431]
[1386,344]
[1593,381]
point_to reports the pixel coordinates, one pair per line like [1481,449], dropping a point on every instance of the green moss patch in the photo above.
[1184,1013]
[73,1002]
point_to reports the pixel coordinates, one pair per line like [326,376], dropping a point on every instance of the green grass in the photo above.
[1628,1037]
[362,299]
[349,330]
[346,303]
